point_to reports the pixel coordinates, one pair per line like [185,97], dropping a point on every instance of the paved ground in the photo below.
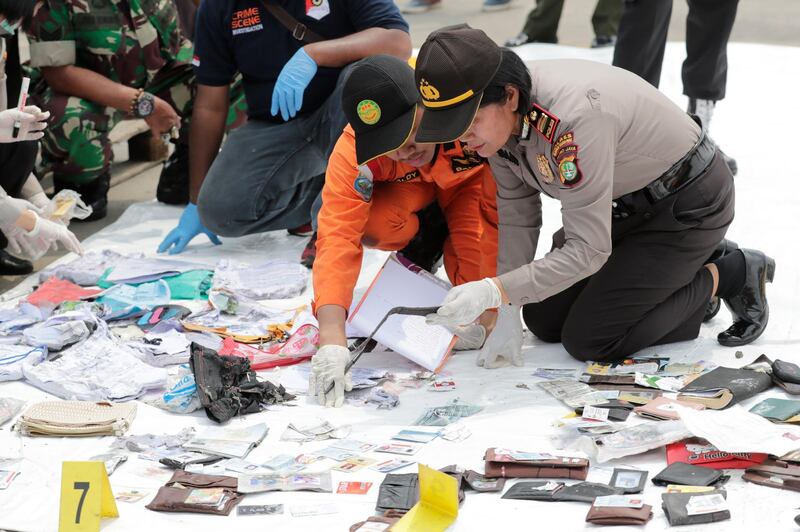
[762,21]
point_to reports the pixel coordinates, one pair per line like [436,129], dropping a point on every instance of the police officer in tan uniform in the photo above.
[645,199]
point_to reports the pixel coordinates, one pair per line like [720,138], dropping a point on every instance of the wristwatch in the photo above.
[143,105]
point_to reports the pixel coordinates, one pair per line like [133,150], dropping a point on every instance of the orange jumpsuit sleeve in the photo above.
[340,228]
[461,205]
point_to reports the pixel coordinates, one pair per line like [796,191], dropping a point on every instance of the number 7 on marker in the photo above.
[85,487]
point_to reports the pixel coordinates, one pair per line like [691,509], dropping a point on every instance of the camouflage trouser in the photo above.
[76,145]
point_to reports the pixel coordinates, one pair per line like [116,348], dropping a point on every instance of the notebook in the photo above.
[398,284]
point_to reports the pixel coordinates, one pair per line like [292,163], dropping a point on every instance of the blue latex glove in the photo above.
[295,76]
[189,226]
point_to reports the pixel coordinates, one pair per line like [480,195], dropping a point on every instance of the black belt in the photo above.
[683,173]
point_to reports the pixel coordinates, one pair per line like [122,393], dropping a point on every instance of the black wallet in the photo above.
[628,480]
[675,506]
[480,483]
[398,492]
[689,475]
[585,492]
[787,376]
[542,490]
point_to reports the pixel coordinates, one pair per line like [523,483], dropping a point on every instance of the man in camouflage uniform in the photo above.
[101,59]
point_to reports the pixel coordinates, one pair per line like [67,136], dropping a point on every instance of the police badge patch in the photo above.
[569,172]
[544,168]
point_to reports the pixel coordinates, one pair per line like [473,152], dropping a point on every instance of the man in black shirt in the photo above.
[292,57]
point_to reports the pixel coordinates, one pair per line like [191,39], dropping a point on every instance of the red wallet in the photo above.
[699,452]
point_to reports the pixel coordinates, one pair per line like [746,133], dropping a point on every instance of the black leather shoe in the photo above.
[173,184]
[749,307]
[94,194]
[604,41]
[722,249]
[11,265]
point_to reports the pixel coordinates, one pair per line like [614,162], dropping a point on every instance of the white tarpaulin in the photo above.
[755,123]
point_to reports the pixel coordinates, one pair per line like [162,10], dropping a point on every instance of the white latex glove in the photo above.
[465,303]
[40,201]
[327,367]
[18,244]
[469,337]
[31,123]
[53,232]
[505,340]
[22,205]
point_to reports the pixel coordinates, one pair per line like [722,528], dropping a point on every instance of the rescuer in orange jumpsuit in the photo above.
[383,190]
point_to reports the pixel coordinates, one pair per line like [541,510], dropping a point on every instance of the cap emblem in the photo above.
[369,112]
[428,91]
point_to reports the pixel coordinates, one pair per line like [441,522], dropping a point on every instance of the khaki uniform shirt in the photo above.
[594,133]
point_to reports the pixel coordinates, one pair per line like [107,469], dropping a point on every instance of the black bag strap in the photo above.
[298,30]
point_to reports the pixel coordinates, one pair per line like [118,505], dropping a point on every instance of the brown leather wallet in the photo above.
[172,496]
[775,474]
[620,516]
[499,465]
[374,523]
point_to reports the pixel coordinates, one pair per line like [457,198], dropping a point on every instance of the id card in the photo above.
[353,488]
[399,448]
[618,501]
[706,504]
[131,495]
[391,465]
[259,509]
[354,464]
[417,436]
[592,412]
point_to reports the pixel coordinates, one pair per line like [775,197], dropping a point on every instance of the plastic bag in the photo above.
[126,300]
[63,207]
[633,440]
[9,407]
[181,395]
[66,205]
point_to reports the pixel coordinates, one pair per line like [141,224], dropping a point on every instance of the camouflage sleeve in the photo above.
[52,35]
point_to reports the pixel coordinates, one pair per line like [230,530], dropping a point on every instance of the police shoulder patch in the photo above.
[568,171]
[564,140]
[543,121]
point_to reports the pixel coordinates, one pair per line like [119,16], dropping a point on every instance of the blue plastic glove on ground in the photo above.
[295,76]
[189,226]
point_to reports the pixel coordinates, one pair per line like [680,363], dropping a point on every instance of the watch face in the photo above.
[144,106]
